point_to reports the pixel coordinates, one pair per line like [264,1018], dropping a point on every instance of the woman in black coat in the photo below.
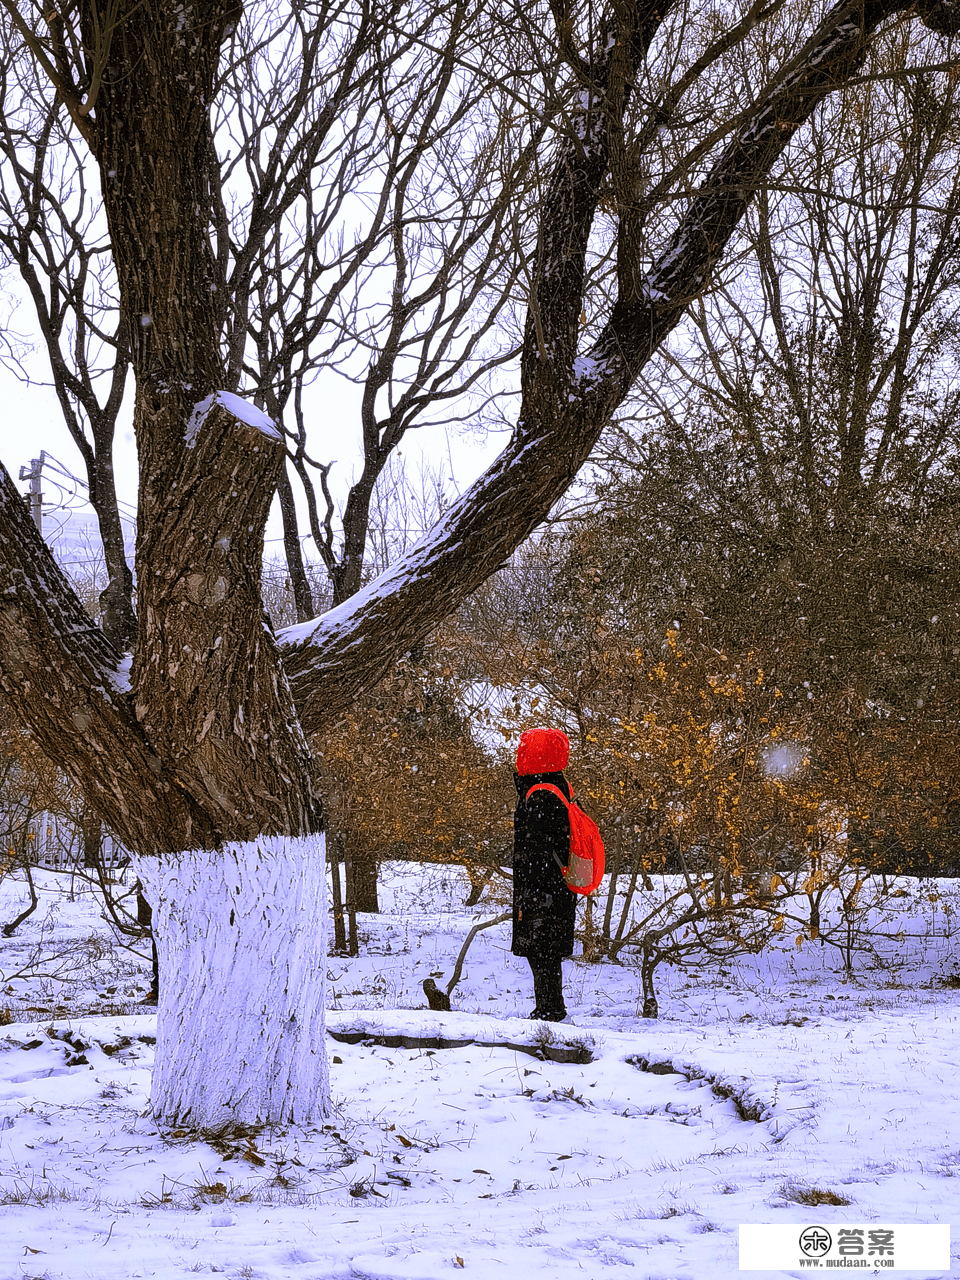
[543,907]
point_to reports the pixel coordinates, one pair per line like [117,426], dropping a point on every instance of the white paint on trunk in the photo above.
[241,937]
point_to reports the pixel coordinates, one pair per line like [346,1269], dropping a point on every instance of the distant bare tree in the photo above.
[795,476]
[52,229]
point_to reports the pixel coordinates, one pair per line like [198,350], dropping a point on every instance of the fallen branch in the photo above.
[439,1000]
[10,929]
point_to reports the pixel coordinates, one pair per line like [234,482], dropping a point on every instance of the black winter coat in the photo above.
[543,907]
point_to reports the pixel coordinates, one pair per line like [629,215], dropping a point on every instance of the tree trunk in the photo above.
[299,583]
[616,862]
[648,967]
[232,872]
[118,619]
[339,928]
[240,1020]
[12,926]
[91,835]
[353,937]
[363,884]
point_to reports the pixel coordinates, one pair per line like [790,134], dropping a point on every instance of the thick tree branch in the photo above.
[637,326]
[568,400]
[208,689]
[61,676]
[67,91]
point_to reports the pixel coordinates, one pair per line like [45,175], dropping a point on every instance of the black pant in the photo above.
[547,986]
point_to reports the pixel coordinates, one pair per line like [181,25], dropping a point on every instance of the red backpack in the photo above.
[584,871]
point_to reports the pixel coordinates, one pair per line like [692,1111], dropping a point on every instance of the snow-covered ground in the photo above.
[771,1090]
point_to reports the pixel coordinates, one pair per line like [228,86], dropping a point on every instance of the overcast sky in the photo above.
[31,421]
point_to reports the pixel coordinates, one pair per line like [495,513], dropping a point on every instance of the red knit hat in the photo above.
[542,751]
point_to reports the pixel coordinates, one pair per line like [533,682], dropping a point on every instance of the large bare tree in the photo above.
[199,761]
[362,202]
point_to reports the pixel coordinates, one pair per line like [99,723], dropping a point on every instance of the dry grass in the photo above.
[174,1194]
[39,1192]
[813,1197]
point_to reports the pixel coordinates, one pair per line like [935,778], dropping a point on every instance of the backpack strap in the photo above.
[548,786]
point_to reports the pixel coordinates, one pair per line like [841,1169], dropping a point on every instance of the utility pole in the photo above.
[35,496]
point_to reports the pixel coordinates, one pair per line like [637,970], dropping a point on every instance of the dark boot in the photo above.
[547,988]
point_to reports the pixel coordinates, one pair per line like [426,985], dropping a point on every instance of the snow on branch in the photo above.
[241,409]
[329,660]
[568,399]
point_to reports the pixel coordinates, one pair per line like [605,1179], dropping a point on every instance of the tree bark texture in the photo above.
[208,687]
[152,144]
[61,675]
[362,886]
[208,747]
[299,583]
[119,620]
[208,690]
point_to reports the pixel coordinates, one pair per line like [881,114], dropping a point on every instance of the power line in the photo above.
[58,465]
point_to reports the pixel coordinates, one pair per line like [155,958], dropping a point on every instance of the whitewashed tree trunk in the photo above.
[241,936]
